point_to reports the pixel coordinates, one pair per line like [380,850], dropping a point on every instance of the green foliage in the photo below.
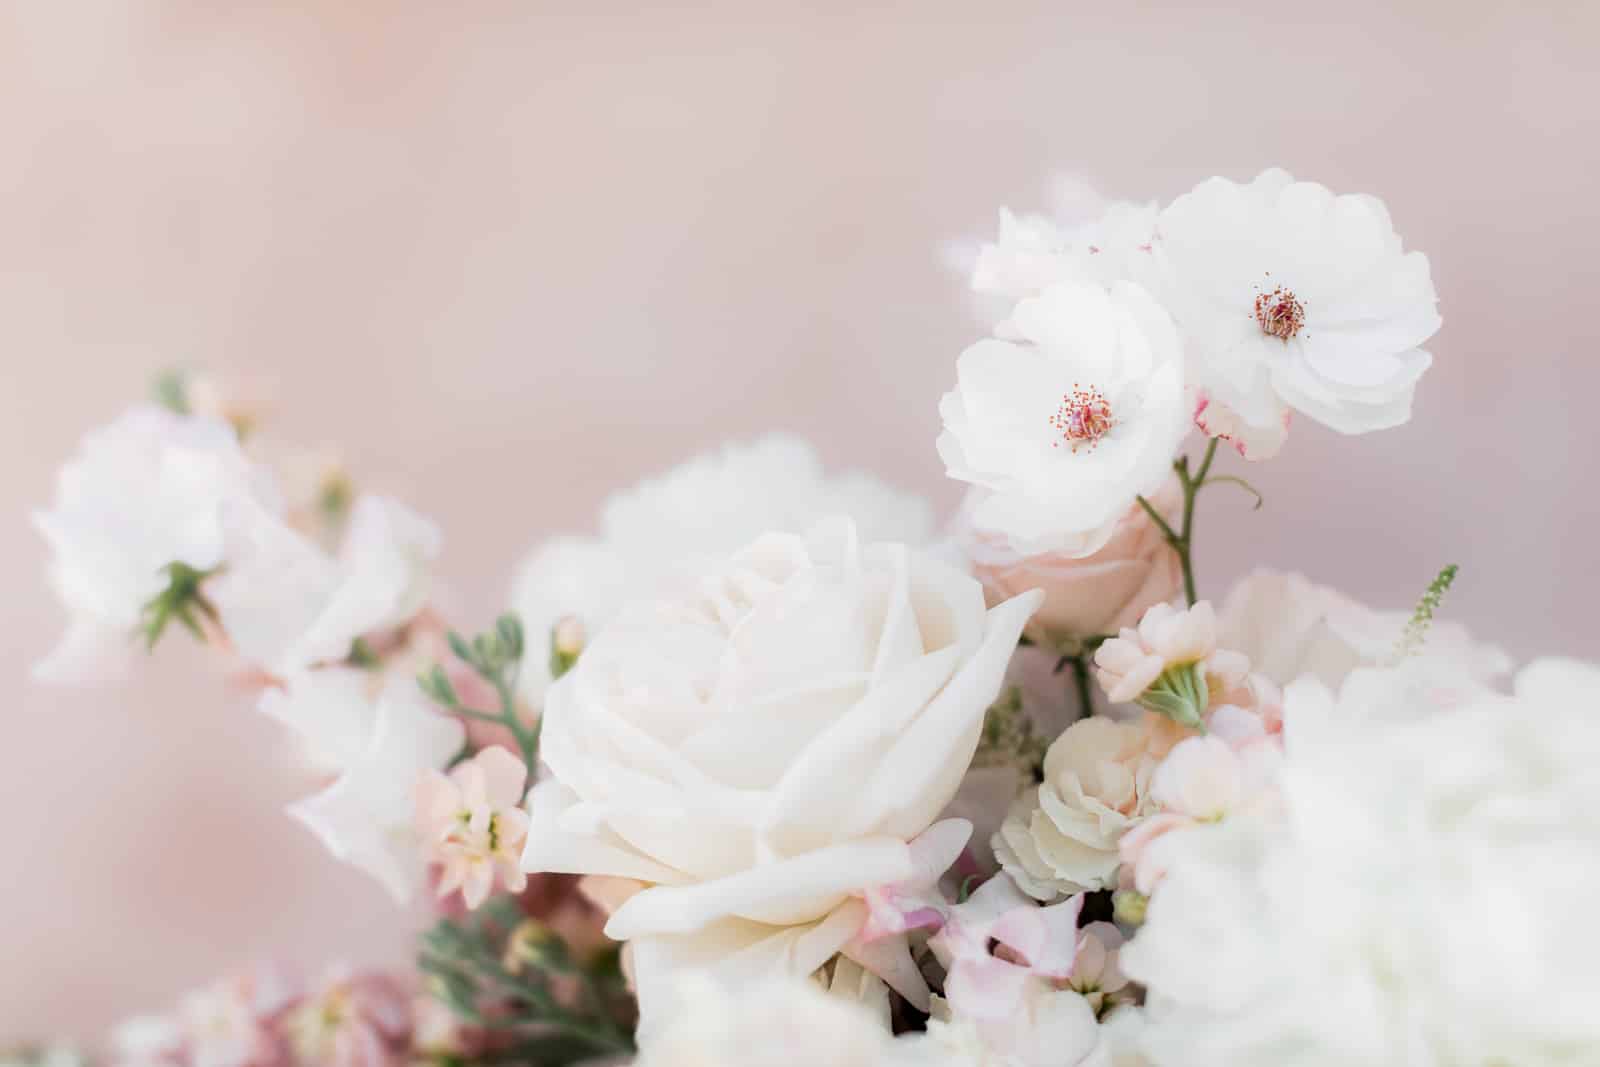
[516,982]
[1416,631]
[182,601]
[495,656]
[171,390]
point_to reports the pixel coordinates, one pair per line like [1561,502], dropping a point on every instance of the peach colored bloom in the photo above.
[472,824]
[352,1021]
[999,938]
[1096,594]
[1170,663]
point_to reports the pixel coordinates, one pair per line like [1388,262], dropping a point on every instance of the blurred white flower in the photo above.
[287,604]
[1426,897]
[366,817]
[1064,428]
[762,749]
[146,491]
[1032,252]
[674,524]
[1291,297]
[773,1023]
[1060,837]
[1289,627]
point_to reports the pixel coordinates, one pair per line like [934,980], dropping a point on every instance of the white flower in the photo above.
[365,818]
[287,604]
[1033,252]
[1289,627]
[764,748]
[144,492]
[677,522]
[1065,428]
[770,1024]
[1426,897]
[1061,836]
[1050,1028]
[1291,297]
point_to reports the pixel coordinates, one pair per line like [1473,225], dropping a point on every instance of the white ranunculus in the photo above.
[1061,836]
[1425,897]
[1291,297]
[287,604]
[145,491]
[762,749]
[1064,428]
[365,818]
[676,523]
[1289,628]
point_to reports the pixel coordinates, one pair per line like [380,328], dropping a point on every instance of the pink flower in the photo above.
[352,1021]
[915,901]
[1170,663]
[1028,941]
[1203,780]
[472,824]
[1096,594]
[1252,442]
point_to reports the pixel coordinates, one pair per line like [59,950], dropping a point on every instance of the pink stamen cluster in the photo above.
[1083,418]
[1280,313]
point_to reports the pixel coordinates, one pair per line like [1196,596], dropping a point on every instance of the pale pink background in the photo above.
[509,258]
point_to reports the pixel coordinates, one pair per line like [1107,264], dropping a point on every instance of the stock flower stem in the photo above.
[1080,674]
[1182,541]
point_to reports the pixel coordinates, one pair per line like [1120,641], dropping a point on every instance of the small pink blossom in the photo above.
[1028,941]
[1132,662]
[915,902]
[1203,780]
[472,824]
[1252,442]
[352,1021]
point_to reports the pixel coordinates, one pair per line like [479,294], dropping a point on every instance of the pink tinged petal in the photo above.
[504,776]
[1046,938]
[985,988]
[790,891]
[890,959]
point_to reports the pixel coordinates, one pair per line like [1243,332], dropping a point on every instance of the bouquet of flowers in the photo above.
[772,769]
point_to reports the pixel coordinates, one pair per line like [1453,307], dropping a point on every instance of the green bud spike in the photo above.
[1416,631]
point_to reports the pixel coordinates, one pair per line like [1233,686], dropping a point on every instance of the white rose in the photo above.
[144,492]
[1061,837]
[692,516]
[764,748]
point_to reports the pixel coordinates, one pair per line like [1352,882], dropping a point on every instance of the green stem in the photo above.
[1080,674]
[1182,541]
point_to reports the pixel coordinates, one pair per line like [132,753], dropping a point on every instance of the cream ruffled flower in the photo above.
[1032,252]
[1354,929]
[676,523]
[699,745]
[1291,297]
[473,826]
[1061,836]
[1064,428]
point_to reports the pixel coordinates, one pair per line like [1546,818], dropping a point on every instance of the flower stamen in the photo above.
[1083,418]
[1280,313]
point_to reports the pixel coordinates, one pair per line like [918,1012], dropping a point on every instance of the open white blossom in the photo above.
[288,604]
[1431,906]
[700,744]
[365,818]
[676,523]
[1291,297]
[1066,427]
[1289,627]
[144,492]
